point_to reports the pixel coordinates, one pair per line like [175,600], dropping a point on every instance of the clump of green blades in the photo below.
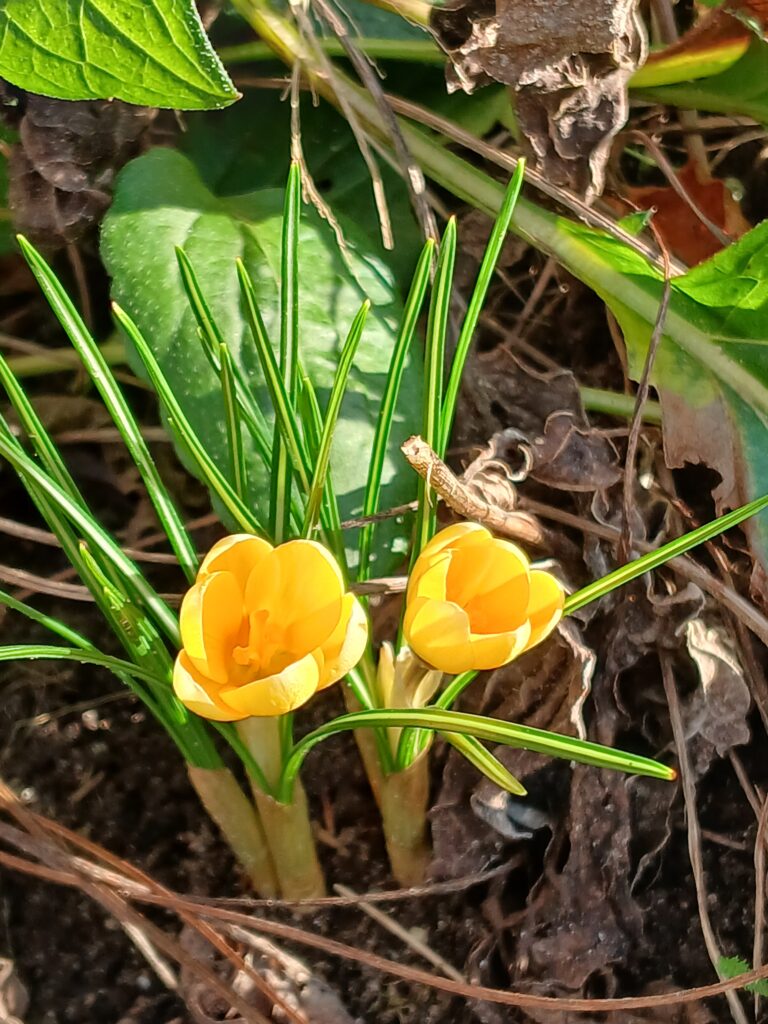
[296,451]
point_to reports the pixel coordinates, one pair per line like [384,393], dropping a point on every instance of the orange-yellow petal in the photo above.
[310,600]
[240,554]
[200,694]
[433,578]
[545,605]
[443,542]
[438,632]
[276,694]
[496,649]
[345,647]
[490,582]
[210,621]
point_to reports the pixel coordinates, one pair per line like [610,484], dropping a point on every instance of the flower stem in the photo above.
[287,825]
[239,822]
[403,801]
[289,834]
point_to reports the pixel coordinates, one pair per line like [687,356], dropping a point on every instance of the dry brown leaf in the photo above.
[684,234]
[717,712]
[14,999]
[568,64]
[60,173]
[500,394]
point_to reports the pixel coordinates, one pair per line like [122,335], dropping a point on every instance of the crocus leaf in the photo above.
[153,52]
[160,203]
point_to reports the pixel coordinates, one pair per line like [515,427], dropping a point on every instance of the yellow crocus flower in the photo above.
[474,602]
[264,628]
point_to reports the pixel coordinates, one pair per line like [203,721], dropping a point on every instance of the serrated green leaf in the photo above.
[161,203]
[711,370]
[149,52]
[734,966]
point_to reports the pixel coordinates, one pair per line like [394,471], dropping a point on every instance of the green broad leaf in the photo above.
[149,52]
[227,148]
[160,203]
[711,369]
[740,89]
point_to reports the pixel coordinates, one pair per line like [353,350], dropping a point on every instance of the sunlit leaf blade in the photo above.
[118,408]
[161,202]
[282,470]
[234,424]
[153,54]
[32,652]
[652,560]
[405,337]
[205,466]
[56,473]
[490,729]
[474,751]
[48,621]
[484,277]
[92,532]
[434,362]
[285,416]
[739,87]
[338,390]
[312,427]
[212,339]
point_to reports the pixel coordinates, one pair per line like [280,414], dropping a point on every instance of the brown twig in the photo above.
[625,541]
[178,903]
[361,138]
[410,170]
[694,829]
[406,936]
[759,859]
[457,496]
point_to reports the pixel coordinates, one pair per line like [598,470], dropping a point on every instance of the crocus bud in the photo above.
[474,602]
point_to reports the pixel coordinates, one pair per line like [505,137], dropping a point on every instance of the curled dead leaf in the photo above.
[568,65]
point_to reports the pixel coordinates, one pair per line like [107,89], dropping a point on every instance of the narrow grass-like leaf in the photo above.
[400,352]
[474,751]
[207,469]
[282,469]
[32,652]
[413,741]
[54,625]
[653,559]
[190,736]
[312,428]
[211,339]
[135,629]
[476,303]
[46,450]
[234,424]
[286,419]
[434,362]
[493,730]
[56,473]
[102,377]
[317,487]
[91,531]
[75,639]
